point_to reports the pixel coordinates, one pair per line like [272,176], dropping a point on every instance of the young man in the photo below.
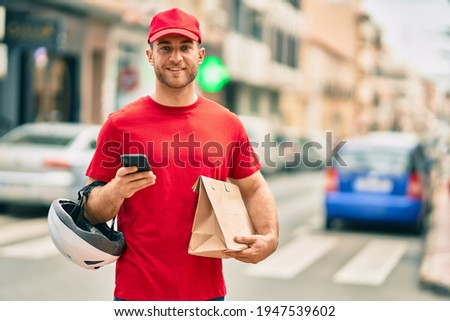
[183,135]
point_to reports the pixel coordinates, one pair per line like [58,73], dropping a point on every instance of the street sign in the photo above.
[32,32]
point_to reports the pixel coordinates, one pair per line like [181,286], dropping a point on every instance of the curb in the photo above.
[435,267]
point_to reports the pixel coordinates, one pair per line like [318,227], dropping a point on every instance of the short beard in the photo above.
[175,84]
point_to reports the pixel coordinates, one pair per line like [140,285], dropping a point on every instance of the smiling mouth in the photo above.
[175,69]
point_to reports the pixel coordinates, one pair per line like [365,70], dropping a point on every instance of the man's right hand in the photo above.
[128,181]
[105,201]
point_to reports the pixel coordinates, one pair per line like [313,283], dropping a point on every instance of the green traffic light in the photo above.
[213,74]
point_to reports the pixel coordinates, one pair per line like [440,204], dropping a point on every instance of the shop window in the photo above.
[53,87]
[128,74]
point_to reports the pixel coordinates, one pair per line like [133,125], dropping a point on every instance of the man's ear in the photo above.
[201,55]
[149,53]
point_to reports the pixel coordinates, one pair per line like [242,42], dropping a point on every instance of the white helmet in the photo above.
[89,246]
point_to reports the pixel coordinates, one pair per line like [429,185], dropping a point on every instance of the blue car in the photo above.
[382,177]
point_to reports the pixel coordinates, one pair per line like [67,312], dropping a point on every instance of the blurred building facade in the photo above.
[328,55]
[389,95]
[312,66]
[92,61]
[261,48]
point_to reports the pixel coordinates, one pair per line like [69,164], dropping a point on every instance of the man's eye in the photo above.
[186,48]
[165,48]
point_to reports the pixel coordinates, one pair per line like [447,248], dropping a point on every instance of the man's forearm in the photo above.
[263,212]
[262,209]
[102,206]
[260,203]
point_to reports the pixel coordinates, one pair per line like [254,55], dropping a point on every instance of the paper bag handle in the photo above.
[224,184]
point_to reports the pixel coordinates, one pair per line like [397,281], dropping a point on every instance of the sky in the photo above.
[414,31]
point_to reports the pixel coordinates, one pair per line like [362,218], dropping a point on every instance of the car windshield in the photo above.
[376,160]
[38,138]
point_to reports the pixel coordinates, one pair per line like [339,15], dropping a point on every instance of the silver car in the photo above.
[40,162]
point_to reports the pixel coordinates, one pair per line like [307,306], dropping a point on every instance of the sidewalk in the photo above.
[435,268]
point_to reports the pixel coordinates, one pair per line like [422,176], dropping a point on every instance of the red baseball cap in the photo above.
[174,21]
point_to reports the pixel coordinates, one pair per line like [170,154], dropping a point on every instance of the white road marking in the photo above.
[25,229]
[372,265]
[293,257]
[33,249]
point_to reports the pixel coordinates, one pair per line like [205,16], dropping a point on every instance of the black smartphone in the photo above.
[138,160]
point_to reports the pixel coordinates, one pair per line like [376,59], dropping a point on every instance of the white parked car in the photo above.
[40,162]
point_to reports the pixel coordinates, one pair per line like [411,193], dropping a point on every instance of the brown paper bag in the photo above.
[220,216]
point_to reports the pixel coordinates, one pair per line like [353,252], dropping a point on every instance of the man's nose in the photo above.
[176,56]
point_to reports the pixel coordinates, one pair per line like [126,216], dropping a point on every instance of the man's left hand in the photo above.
[259,248]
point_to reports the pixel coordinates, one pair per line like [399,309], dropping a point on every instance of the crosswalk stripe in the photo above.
[36,249]
[20,230]
[293,257]
[372,264]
